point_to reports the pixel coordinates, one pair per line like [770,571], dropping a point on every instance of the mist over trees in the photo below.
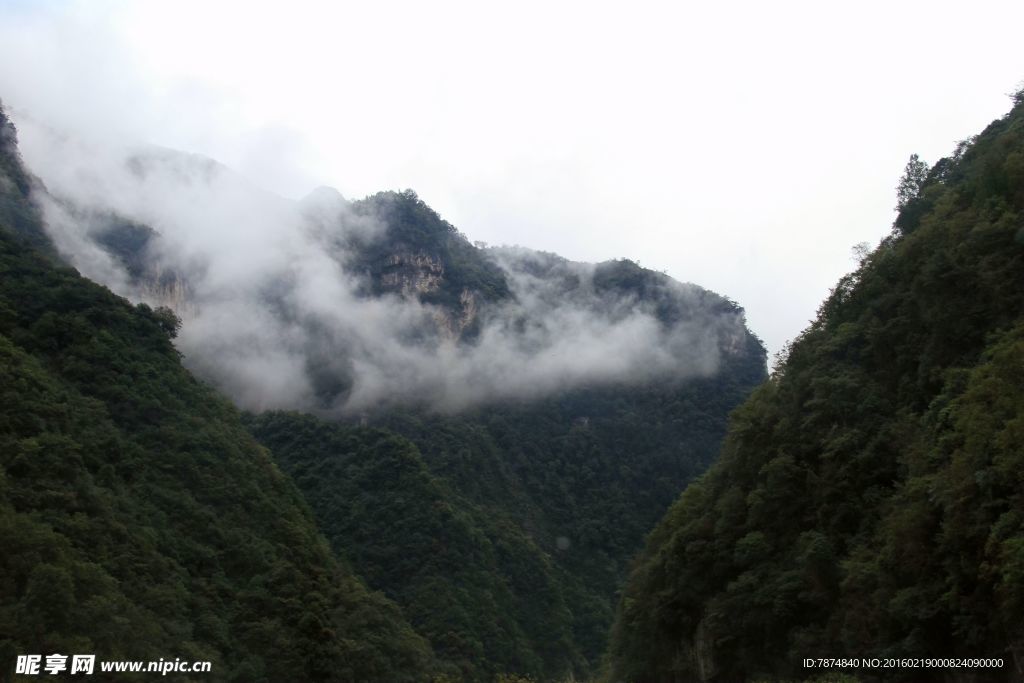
[138,518]
[531,419]
[439,461]
[350,306]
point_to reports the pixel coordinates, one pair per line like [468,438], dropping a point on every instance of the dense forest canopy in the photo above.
[488,599]
[492,434]
[505,532]
[868,500]
[138,518]
[544,499]
[477,540]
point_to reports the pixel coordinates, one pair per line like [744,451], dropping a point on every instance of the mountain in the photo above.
[867,501]
[138,518]
[476,585]
[484,435]
[504,528]
[505,531]
[327,304]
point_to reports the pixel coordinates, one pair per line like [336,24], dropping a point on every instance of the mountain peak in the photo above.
[324,195]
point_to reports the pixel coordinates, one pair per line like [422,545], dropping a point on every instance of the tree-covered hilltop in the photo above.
[412,229]
[869,498]
[139,519]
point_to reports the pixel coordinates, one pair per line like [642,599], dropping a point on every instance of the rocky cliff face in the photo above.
[418,275]
[455,323]
[172,290]
[412,274]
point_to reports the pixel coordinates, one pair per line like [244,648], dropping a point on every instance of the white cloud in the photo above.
[275,317]
[741,146]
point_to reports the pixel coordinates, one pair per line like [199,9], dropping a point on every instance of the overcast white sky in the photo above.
[743,146]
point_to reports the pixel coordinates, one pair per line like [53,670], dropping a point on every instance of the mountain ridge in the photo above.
[454,315]
[529,418]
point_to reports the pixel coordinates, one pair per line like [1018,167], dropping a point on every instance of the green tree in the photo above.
[914,175]
[869,497]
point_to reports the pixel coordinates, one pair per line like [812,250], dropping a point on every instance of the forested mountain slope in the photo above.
[504,531]
[585,473]
[869,498]
[138,518]
[550,495]
[488,599]
[18,214]
[530,417]
[348,307]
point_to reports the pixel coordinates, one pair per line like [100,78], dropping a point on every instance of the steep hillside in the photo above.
[424,254]
[506,539]
[471,581]
[586,472]
[506,530]
[548,411]
[139,519]
[868,500]
[18,214]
